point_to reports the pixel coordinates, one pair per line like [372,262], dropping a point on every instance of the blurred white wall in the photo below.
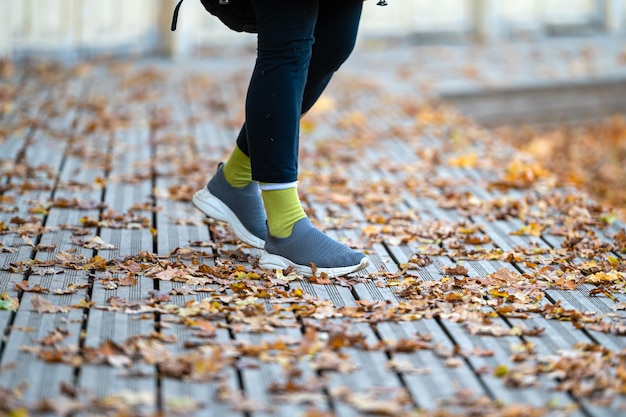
[82,27]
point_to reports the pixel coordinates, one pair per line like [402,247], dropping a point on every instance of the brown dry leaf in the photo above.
[48,271]
[71,259]
[41,305]
[329,360]
[383,403]
[168,274]
[619,306]
[23,286]
[5,249]
[453,363]
[456,270]
[482,352]
[54,337]
[28,241]
[46,248]
[476,240]
[12,402]
[405,367]
[522,174]
[205,328]
[123,401]
[128,281]
[68,355]
[322,279]
[182,406]
[70,289]
[109,353]
[315,412]
[93,242]
[506,275]
[61,406]
[493,329]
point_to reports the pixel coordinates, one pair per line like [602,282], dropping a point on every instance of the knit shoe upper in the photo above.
[308,245]
[242,208]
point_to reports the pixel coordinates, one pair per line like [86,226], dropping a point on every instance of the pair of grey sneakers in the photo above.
[243,209]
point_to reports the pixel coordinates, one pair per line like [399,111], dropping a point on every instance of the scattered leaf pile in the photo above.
[590,156]
[481,260]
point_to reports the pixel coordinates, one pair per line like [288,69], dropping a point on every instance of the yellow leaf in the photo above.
[501,371]
[531,229]
[605,277]
[464,161]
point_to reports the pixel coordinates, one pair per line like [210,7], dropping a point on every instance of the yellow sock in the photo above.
[237,169]
[283,210]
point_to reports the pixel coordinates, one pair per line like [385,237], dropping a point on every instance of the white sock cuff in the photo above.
[269,186]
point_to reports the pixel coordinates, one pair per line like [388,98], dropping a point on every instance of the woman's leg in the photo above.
[292,240]
[289,76]
[273,106]
[274,99]
[334,38]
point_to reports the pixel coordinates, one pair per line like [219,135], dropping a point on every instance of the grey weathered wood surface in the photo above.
[203,111]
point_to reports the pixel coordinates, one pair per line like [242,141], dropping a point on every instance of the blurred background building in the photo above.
[77,28]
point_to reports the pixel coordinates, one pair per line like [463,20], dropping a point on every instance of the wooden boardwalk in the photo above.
[491,290]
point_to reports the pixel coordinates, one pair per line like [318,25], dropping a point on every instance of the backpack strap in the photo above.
[175,16]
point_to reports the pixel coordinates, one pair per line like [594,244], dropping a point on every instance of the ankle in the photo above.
[283,209]
[237,169]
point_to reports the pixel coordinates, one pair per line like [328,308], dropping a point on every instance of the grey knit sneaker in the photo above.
[308,245]
[242,208]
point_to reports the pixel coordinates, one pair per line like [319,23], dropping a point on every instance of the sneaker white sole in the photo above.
[270,261]
[215,208]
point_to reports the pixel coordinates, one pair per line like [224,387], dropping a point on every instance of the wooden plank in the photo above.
[429,376]
[119,326]
[557,333]
[581,293]
[258,379]
[30,328]
[563,337]
[9,279]
[370,373]
[501,348]
[373,375]
[130,154]
[498,346]
[180,225]
[205,393]
[557,336]
[574,301]
[261,375]
[26,105]
[178,222]
[425,377]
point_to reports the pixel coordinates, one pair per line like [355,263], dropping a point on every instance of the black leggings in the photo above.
[301,43]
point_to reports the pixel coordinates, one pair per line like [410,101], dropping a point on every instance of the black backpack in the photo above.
[238,15]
